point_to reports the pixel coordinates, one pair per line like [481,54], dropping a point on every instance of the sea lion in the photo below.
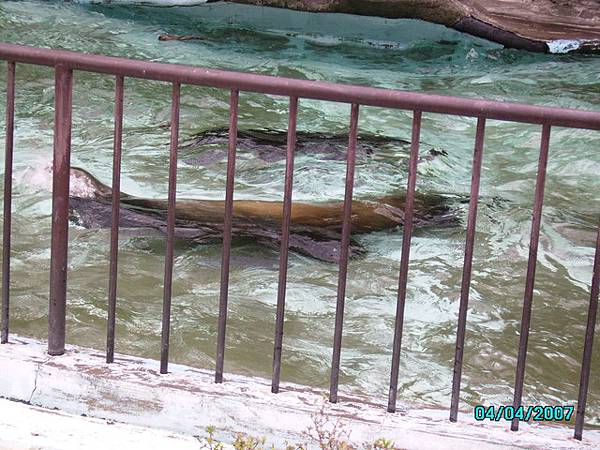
[175,37]
[315,228]
[210,146]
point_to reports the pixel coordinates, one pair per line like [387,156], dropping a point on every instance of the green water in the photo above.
[393,54]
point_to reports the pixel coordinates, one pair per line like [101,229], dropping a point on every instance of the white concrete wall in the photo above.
[187,401]
[30,427]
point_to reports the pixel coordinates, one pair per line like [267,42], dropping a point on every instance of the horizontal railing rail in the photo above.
[367,96]
[65,62]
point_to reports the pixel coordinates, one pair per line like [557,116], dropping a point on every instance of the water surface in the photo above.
[385,53]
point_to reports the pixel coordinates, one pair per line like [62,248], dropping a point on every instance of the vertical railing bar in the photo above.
[404,259]
[227,224]
[63,97]
[530,281]
[589,341]
[285,238]
[6,221]
[168,281]
[344,251]
[467,267]
[114,229]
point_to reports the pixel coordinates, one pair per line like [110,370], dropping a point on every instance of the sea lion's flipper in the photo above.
[90,213]
[319,247]
[325,250]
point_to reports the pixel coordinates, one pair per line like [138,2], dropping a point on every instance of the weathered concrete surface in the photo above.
[535,25]
[30,427]
[187,400]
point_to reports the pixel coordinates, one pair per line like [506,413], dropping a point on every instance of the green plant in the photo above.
[330,435]
[381,444]
[245,442]
[210,442]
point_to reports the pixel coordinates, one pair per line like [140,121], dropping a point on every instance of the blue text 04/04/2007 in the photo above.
[525,413]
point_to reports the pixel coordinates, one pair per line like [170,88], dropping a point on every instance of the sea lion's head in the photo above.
[84,185]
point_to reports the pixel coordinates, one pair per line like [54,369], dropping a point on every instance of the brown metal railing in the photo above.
[66,62]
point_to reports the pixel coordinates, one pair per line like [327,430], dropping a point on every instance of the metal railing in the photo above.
[66,62]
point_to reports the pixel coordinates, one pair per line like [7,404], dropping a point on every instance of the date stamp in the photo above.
[538,413]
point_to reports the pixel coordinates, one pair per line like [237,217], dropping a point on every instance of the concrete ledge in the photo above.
[30,427]
[187,400]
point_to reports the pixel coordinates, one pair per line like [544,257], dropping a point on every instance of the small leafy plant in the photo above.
[325,432]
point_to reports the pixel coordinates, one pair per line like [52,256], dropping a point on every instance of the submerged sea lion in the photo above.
[175,37]
[315,228]
[210,146]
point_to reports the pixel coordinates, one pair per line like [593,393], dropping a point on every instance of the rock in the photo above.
[554,26]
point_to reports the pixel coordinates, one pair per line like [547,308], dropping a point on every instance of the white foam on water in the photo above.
[81,186]
[472,55]
[563,45]
[330,40]
[38,177]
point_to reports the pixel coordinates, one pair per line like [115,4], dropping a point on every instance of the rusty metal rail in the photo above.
[66,62]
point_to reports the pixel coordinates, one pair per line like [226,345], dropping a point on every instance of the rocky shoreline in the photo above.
[545,26]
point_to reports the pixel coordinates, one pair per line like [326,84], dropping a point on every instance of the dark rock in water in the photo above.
[538,26]
[210,147]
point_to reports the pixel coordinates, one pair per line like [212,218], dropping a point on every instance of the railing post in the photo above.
[344,252]
[467,266]
[114,229]
[227,224]
[285,241]
[530,281]
[404,259]
[60,209]
[171,216]
[586,363]
[8,166]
